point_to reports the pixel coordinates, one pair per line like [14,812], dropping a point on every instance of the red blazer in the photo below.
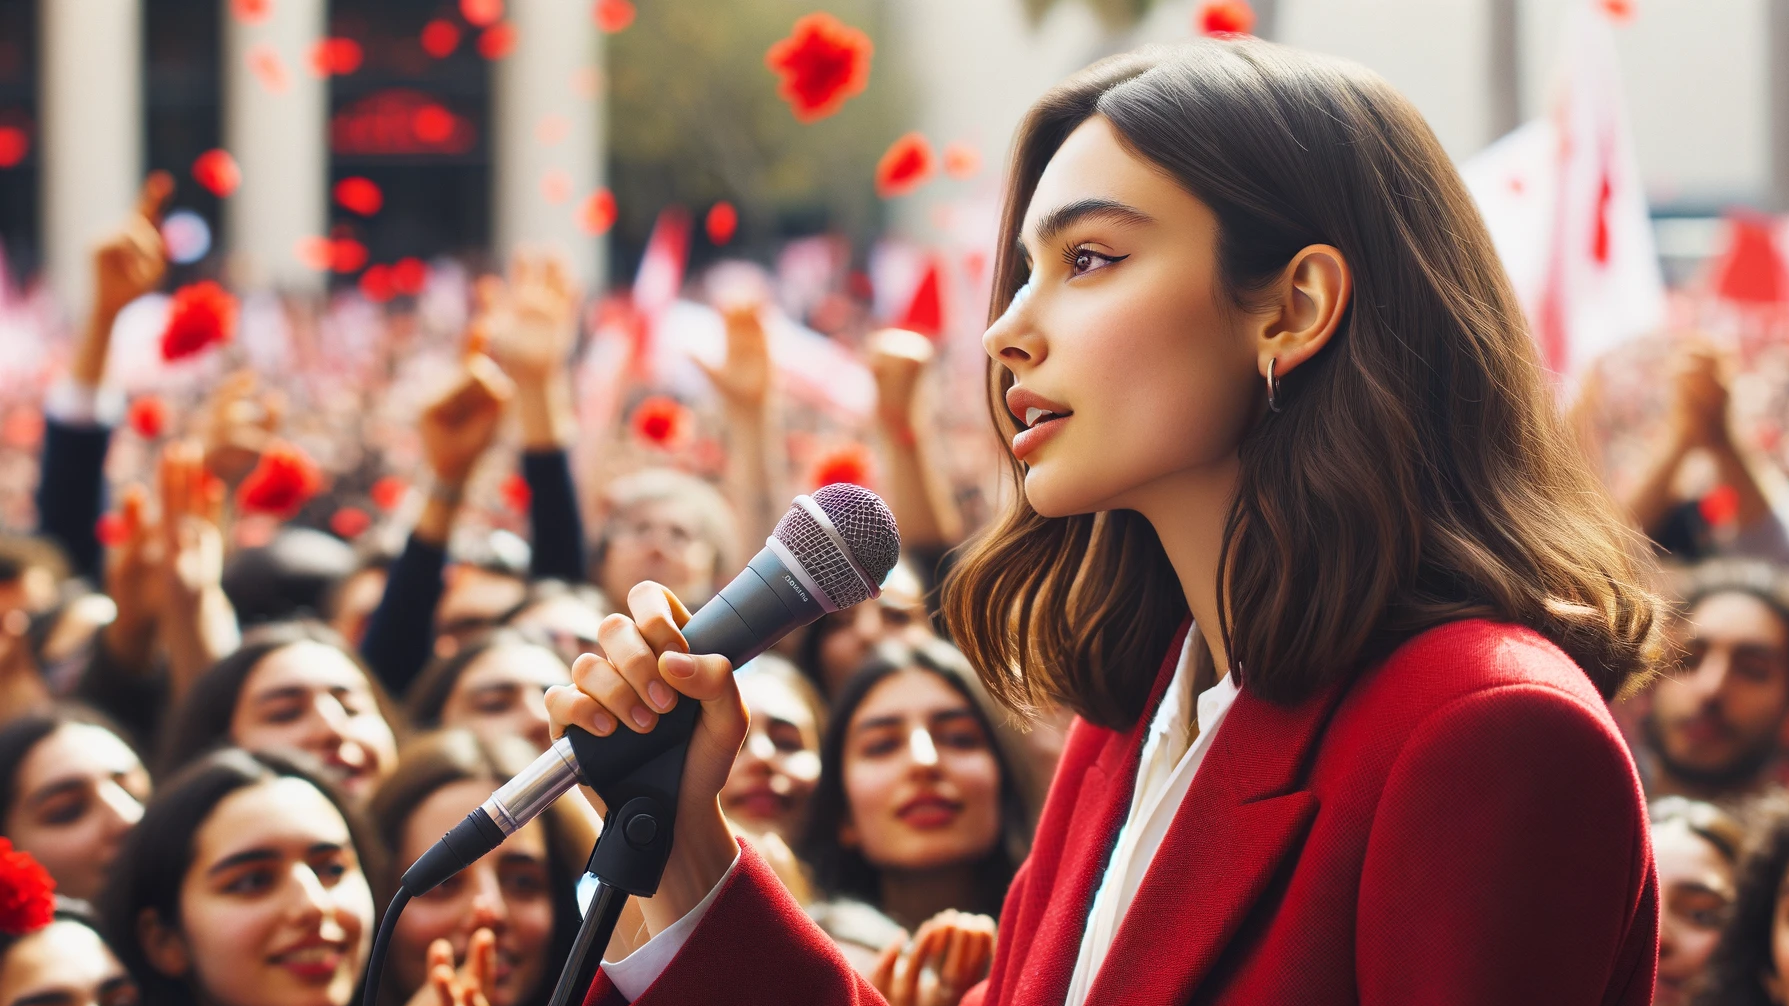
[1459,825]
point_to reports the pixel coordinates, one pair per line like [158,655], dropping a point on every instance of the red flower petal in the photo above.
[148,415]
[440,38]
[481,13]
[409,276]
[432,124]
[516,494]
[721,222]
[906,165]
[1225,17]
[251,11]
[110,530]
[265,63]
[282,482]
[961,160]
[350,522]
[359,195]
[15,143]
[662,422]
[1619,10]
[388,492]
[376,284]
[823,63]
[851,462]
[27,892]
[613,15]
[597,214]
[331,57]
[1721,506]
[497,41]
[218,172]
[201,315]
[347,255]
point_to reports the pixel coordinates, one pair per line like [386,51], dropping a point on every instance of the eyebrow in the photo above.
[882,722]
[50,791]
[266,855]
[50,998]
[1063,217]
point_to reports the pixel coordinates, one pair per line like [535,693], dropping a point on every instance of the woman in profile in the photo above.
[1304,543]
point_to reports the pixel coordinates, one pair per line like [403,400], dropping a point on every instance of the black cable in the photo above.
[375,964]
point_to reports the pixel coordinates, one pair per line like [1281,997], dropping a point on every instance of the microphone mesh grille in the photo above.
[866,525]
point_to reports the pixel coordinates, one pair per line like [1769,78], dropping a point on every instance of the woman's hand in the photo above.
[898,360]
[240,420]
[471,985]
[127,264]
[530,324]
[942,963]
[644,669]
[198,625]
[460,425]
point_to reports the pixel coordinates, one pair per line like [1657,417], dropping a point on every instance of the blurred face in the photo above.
[568,622]
[311,697]
[356,603]
[850,635]
[64,964]
[275,910]
[921,782]
[79,790]
[659,540]
[1714,722]
[507,892]
[502,693]
[1696,884]
[774,775]
[476,598]
[1120,334]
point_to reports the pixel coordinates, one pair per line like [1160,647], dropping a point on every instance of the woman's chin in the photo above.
[1052,494]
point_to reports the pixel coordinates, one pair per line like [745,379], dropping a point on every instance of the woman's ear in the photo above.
[163,945]
[1313,295]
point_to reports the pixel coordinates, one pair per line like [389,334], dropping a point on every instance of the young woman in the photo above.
[495,685]
[70,790]
[842,641]
[1258,365]
[773,777]
[292,686]
[522,893]
[51,952]
[245,884]
[1697,847]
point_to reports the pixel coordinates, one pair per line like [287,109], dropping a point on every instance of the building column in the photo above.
[547,134]
[276,126]
[1777,74]
[90,97]
[1504,84]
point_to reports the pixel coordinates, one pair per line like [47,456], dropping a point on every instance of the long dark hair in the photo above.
[152,867]
[428,696]
[844,871]
[444,757]
[21,735]
[202,721]
[1419,472]
[1736,968]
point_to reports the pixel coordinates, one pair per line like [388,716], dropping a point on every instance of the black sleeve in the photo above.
[71,491]
[558,530]
[134,699]
[400,635]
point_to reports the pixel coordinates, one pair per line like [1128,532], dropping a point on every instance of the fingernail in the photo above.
[680,665]
[643,717]
[603,724]
[660,696]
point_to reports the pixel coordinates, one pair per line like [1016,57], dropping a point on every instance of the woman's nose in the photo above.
[489,910]
[328,723]
[759,746]
[122,810]
[1013,339]
[921,749]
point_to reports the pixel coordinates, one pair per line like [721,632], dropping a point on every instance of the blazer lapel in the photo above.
[1245,811]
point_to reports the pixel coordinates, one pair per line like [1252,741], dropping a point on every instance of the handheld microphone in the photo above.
[830,551]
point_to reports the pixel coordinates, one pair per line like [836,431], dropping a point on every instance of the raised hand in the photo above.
[198,626]
[471,984]
[134,582]
[897,359]
[530,321]
[127,264]
[460,425]
[240,420]
[744,376]
[1699,401]
[950,953]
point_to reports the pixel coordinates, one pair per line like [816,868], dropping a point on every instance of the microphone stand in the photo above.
[630,854]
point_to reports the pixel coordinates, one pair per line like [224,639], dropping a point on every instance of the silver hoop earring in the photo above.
[1273,386]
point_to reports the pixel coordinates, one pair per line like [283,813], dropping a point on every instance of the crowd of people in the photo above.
[226,728]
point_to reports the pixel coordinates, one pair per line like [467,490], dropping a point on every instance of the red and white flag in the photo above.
[1563,199]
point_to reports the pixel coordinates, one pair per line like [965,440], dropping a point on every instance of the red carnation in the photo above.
[111,530]
[497,41]
[347,255]
[388,492]
[359,195]
[218,172]
[440,38]
[27,892]
[1721,506]
[409,276]
[516,493]
[823,62]
[202,314]
[1225,17]
[906,165]
[282,482]
[721,222]
[335,57]
[850,462]
[148,415]
[662,422]
[597,213]
[376,284]
[350,522]
[15,143]
[613,15]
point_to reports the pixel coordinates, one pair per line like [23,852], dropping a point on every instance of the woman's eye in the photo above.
[527,882]
[330,871]
[250,882]
[284,714]
[1085,260]
[66,811]
[962,740]
[876,747]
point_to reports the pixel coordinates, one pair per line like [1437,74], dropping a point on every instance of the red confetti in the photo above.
[906,165]
[440,38]
[265,63]
[432,124]
[359,195]
[335,57]
[376,284]
[1225,17]
[350,522]
[481,13]
[110,530]
[15,143]
[148,415]
[283,481]
[555,186]
[850,462]
[201,315]
[388,492]
[27,892]
[823,63]
[961,160]
[613,15]
[516,494]
[409,276]
[597,214]
[722,221]
[347,255]
[497,41]
[1619,10]
[251,11]
[662,422]
[314,252]
[1721,506]
[218,172]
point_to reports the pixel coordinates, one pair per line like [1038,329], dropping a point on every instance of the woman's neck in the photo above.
[1187,511]
[912,896]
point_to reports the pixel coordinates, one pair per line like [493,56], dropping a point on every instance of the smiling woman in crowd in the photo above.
[51,952]
[774,775]
[1696,846]
[70,789]
[292,686]
[245,884]
[494,685]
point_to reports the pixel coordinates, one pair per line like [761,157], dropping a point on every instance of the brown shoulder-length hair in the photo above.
[1419,471]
